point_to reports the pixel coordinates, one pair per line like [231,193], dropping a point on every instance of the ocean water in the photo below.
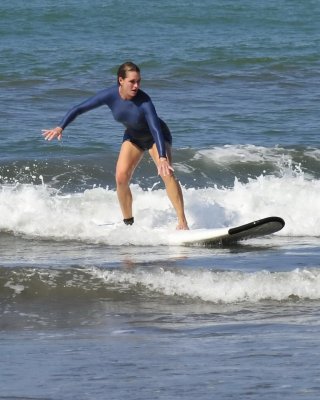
[93,313]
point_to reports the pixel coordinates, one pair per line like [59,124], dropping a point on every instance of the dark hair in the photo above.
[125,68]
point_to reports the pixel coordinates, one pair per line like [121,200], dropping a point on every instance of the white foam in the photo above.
[17,289]
[219,286]
[243,154]
[37,210]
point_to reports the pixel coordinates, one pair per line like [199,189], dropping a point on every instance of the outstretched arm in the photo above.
[93,102]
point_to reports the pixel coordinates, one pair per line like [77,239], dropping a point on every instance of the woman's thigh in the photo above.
[155,155]
[129,157]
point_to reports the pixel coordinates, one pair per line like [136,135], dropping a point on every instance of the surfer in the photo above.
[144,131]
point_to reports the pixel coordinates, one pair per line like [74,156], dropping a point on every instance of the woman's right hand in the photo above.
[52,133]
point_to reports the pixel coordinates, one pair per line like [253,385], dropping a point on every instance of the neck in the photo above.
[122,95]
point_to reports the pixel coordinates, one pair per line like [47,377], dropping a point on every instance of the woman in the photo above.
[144,131]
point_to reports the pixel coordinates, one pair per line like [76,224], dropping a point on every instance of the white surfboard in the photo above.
[224,236]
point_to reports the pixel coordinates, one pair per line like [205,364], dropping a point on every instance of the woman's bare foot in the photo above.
[182,226]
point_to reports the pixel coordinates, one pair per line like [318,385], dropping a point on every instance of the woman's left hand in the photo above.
[164,168]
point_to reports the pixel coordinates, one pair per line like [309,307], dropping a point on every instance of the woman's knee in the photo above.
[122,177]
[168,179]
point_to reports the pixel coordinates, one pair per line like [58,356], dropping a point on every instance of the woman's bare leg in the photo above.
[129,157]
[173,188]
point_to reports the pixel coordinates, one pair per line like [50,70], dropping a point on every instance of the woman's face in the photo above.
[129,85]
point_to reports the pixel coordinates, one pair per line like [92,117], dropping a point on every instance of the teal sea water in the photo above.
[90,313]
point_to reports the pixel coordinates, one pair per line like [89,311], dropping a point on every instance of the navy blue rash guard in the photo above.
[138,115]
